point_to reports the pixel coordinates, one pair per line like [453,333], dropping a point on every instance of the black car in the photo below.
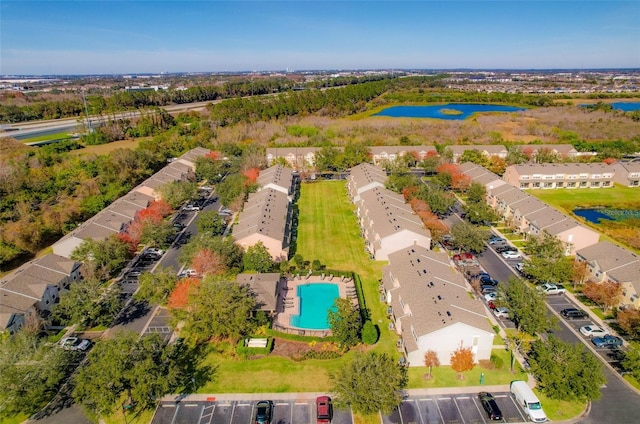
[486,279]
[573,313]
[507,248]
[489,404]
[264,410]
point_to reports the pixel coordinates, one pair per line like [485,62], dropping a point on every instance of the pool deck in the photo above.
[289,302]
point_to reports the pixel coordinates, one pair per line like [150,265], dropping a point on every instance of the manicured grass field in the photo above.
[568,199]
[444,376]
[328,231]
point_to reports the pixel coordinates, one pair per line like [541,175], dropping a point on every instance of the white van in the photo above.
[525,397]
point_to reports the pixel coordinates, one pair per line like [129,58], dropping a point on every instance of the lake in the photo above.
[594,215]
[626,106]
[450,111]
[623,106]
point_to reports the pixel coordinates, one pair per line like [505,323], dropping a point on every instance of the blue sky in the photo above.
[80,37]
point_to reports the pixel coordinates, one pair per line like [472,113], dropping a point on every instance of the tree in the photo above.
[156,234]
[480,213]
[177,192]
[606,294]
[476,193]
[526,306]
[566,371]
[127,366]
[579,273]
[217,309]
[370,383]
[206,262]
[225,247]
[88,302]
[631,361]
[629,321]
[30,373]
[102,258]
[468,237]
[345,323]
[431,360]
[232,188]
[155,287]
[462,360]
[257,258]
[211,223]
[369,333]
[474,156]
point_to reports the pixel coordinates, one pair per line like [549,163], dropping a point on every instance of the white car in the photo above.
[190,208]
[509,254]
[74,343]
[550,288]
[501,313]
[490,296]
[592,331]
[154,251]
[188,273]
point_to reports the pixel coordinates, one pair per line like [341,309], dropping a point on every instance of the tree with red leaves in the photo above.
[213,155]
[251,174]
[462,360]
[206,262]
[179,297]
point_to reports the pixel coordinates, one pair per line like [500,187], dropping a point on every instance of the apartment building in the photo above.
[560,175]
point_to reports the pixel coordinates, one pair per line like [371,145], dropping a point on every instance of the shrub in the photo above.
[497,361]
[370,333]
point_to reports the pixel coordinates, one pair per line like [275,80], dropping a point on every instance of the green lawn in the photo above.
[57,136]
[568,199]
[327,231]
[444,376]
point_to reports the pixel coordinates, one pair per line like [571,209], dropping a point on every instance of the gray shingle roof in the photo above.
[264,286]
[432,289]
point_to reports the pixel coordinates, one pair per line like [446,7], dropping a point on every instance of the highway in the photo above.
[25,130]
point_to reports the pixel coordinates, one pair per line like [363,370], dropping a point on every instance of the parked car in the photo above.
[75,343]
[496,241]
[324,410]
[501,312]
[154,251]
[592,330]
[501,249]
[519,267]
[264,411]
[509,254]
[178,225]
[490,406]
[490,296]
[550,288]
[573,313]
[133,274]
[188,273]
[486,279]
[487,288]
[607,341]
[190,208]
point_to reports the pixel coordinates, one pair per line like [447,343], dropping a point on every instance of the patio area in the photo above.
[289,302]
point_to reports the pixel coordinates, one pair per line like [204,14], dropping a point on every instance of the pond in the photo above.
[594,215]
[623,106]
[450,111]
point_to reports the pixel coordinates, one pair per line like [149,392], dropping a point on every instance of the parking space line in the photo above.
[458,408]
[480,411]
[440,412]
[418,408]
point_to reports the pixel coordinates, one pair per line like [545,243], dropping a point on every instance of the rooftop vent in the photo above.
[448,313]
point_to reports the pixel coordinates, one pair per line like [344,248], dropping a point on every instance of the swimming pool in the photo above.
[315,301]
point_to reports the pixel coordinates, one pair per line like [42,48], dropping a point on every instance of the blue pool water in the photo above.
[438,111]
[315,301]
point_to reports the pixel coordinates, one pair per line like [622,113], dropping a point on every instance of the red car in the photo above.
[324,410]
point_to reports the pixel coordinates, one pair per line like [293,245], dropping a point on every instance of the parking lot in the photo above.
[611,356]
[449,409]
[241,412]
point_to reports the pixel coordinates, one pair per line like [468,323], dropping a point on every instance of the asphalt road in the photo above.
[618,402]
